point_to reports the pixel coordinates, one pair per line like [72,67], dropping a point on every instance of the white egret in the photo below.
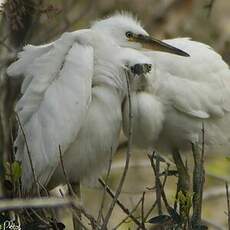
[72,95]
[178,96]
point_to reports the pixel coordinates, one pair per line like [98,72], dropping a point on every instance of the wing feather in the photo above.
[198,86]
[54,103]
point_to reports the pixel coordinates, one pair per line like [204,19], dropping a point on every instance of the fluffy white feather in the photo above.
[54,103]
[72,95]
[190,90]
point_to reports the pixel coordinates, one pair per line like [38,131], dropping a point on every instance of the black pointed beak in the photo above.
[151,43]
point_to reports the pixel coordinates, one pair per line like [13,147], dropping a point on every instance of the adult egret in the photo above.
[72,95]
[178,97]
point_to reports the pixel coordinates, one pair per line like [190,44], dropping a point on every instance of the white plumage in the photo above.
[181,94]
[74,89]
[72,95]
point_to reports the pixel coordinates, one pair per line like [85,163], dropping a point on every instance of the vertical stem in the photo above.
[198,182]
[157,185]
[228,204]
[2,192]
[77,190]
[184,179]
[128,154]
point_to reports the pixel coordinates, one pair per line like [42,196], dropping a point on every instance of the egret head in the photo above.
[127,31]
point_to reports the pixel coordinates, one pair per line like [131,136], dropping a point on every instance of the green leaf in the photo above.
[16,170]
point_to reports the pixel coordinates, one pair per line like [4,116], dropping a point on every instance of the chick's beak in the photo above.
[151,43]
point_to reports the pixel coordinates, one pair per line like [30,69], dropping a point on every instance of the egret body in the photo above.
[71,98]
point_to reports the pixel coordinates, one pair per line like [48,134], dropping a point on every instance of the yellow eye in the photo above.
[128,34]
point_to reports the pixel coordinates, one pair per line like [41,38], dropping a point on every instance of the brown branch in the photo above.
[157,184]
[128,216]
[70,189]
[13,204]
[29,155]
[228,204]
[104,187]
[128,154]
[142,210]
[123,208]
[198,181]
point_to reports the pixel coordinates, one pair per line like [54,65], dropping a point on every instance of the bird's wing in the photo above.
[198,85]
[56,95]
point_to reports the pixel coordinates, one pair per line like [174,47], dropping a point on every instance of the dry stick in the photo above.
[78,209]
[155,203]
[198,181]
[169,209]
[36,182]
[128,153]
[79,221]
[183,181]
[228,204]
[142,210]
[37,203]
[76,221]
[92,220]
[14,204]
[39,217]
[128,215]
[124,209]
[157,179]
[104,188]
[29,155]
[70,189]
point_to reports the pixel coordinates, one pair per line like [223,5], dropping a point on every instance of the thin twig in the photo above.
[79,221]
[80,209]
[163,195]
[198,181]
[157,179]
[228,204]
[13,204]
[29,155]
[142,210]
[70,189]
[104,188]
[39,217]
[124,209]
[128,154]
[76,221]
[128,216]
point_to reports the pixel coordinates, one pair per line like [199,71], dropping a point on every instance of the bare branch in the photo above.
[128,216]
[13,204]
[29,155]
[128,154]
[228,204]
[198,181]
[124,209]
[104,188]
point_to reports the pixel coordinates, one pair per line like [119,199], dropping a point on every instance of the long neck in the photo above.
[109,75]
[108,62]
